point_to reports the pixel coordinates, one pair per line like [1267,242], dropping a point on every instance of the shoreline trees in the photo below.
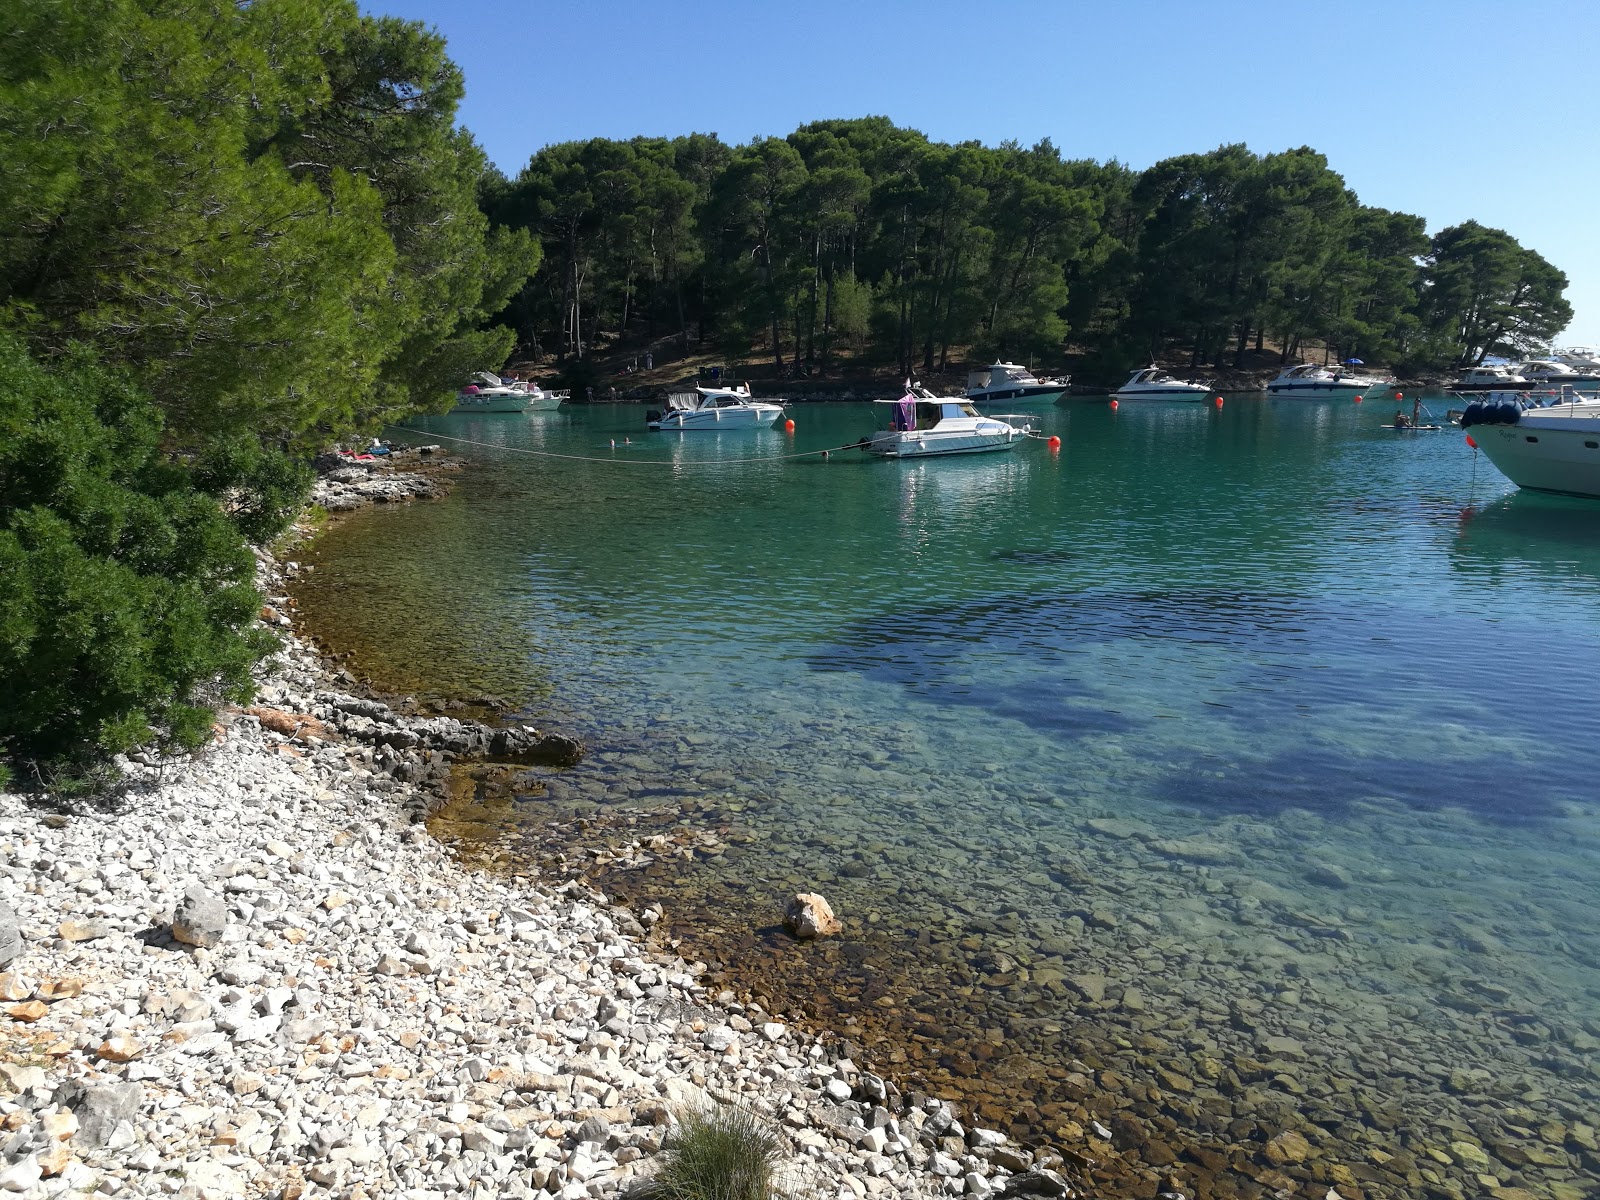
[862,234]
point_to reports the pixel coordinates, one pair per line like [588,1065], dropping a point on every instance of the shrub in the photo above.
[726,1153]
[127,602]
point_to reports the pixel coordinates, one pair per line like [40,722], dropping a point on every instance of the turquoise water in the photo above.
[1281,722]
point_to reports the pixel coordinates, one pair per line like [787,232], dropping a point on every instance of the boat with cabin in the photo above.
[923,425]
[1310,380]
[1152,383]
[489,393]
[1556,372]
[1547,448]
[1492,377]
[714,408]
[1003,381]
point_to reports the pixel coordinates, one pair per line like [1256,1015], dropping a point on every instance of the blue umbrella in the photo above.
[1354,362]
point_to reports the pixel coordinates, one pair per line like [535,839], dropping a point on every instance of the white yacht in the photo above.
[1152,383]
[1550,449]
[488,393]
[1583,359]
[1308,379]
[1491,379]
[922,425]
[714,408]
[1008,381]
[1568,366]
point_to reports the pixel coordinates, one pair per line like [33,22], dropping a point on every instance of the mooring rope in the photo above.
[632,462]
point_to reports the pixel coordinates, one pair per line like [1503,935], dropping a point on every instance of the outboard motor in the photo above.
[651,417]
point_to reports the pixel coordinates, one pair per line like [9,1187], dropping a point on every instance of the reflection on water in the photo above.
[1217,761]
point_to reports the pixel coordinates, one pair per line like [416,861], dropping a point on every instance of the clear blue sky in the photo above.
[1447,110]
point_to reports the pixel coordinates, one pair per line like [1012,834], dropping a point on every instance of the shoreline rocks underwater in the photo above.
[1166,1002]
[257,973]
[357,932]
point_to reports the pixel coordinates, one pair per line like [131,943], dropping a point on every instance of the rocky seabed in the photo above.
[261,976]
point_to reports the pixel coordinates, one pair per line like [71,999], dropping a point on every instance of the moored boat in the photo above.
[1492,378]
[1555,372]
[1555,448]
[488,393]
[1308,379]
[714,408]
[1003,381]
[1152,383]
[922,425]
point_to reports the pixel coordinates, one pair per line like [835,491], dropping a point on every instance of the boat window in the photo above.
[960,410]
[928,414]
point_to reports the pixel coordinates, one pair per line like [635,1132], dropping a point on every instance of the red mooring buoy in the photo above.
[1054,442]
[788,426]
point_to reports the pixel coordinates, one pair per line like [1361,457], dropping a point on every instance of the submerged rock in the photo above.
[810,916]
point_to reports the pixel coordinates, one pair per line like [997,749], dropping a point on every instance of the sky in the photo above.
[1479,110]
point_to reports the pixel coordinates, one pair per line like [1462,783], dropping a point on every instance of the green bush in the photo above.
[127,602]
[727,1153]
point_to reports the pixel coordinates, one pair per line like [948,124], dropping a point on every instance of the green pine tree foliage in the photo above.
[127,602]
[863,239]
[264,209]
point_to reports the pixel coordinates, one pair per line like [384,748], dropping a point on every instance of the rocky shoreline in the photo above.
[259,974]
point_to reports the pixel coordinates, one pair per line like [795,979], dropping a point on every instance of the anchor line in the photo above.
[630,462]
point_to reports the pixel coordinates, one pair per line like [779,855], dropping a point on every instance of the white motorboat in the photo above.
[1583,359]
[1557,371]
[715,408]
[488,393]
[1308,379]
[922,425]
[1491,378]
[1152,383]
[1010,382]
[1549,449]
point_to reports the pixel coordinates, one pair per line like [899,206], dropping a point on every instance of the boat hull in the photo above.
[1542,458]
[1192,394]
[1315,390]
[492,406]
[934,445]
[1026,394]
[717,418]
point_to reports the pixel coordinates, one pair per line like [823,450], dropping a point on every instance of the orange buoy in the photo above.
[788,426]
[1218,402]
[1471,443]
[1113,402]
[1399,395]
[1053,442]
[1358,397]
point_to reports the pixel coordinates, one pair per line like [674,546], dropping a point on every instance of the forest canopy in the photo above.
[861,235]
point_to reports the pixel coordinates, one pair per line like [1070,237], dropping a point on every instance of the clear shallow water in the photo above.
[1245,711]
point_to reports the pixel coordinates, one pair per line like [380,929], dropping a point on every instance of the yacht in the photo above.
[1491,379]
[1557,371]
[714,408]
[1155,384]
[922,425]
[1008,381]
[488,393]
[1583,359]
[1308,379]
[1550,449]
